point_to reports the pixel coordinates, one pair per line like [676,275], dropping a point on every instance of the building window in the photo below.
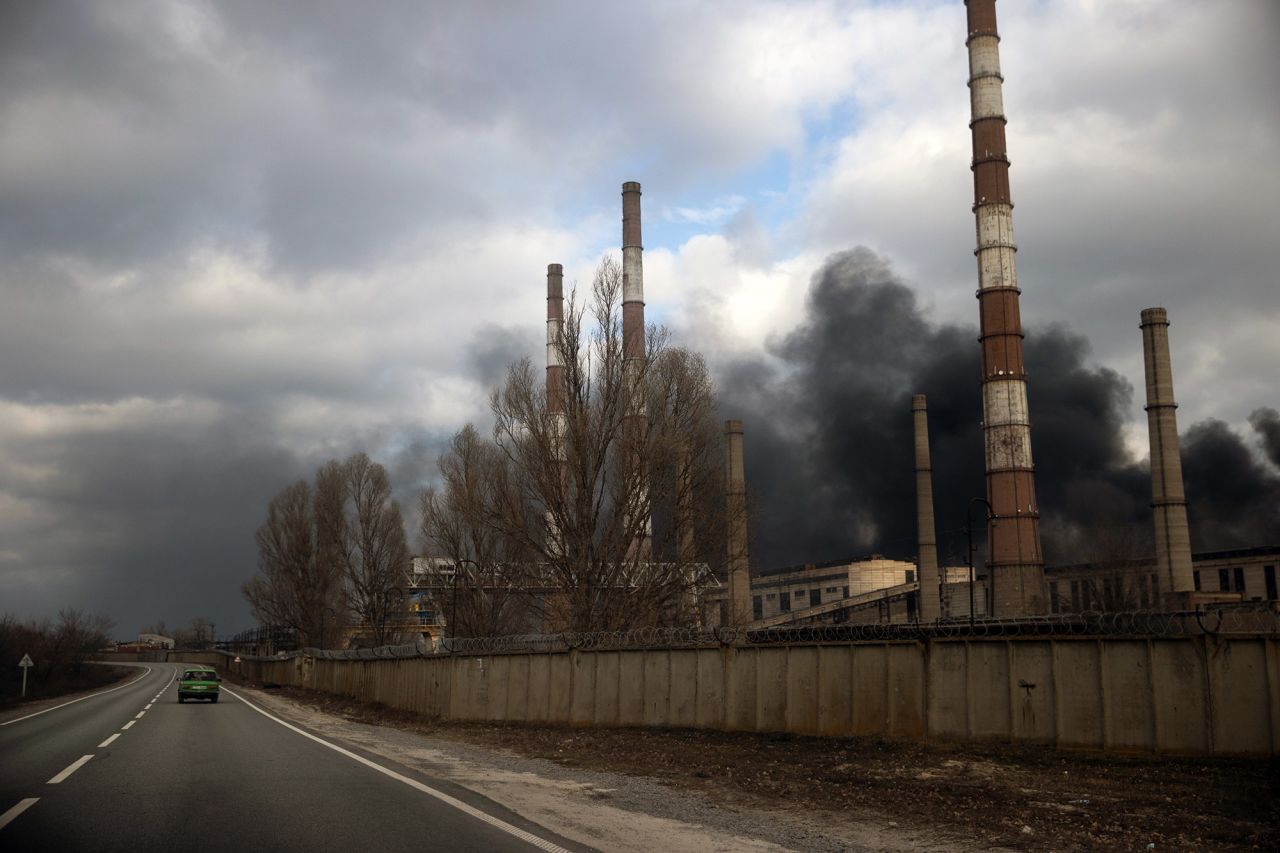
[1142,592]
[831,589]
[846,592]
[784,602]
[1053,596]
[1269,576]
[1239,578]
[757,607]
[771,596]
[911,576]
[1075,596]
[1224,580]
[1195,576]
[1155,590]
[815,597]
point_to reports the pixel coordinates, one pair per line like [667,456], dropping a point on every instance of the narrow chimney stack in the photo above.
[555,324]
[556,394]
[633,343]
[1015,560]
[1168,499]
[740,612]
[926,536]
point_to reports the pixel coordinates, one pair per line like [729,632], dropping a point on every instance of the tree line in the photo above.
[59,651]
[594,505]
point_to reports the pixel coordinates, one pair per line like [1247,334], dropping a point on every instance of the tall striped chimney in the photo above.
[556,383]
[1015,561]
[633,345]
[926,535]
[739,565]
[1168,500]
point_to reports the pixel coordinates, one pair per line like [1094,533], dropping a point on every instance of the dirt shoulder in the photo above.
[826,793]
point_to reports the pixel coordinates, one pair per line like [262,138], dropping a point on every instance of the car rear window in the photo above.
[199,675]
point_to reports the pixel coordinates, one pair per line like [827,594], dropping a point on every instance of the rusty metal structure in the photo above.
[736,515]
[633,345]
[926,534]
[1168,500]
[1015,561]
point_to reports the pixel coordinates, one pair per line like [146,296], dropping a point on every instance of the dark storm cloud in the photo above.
[829,434]
[330,136]
[143,516]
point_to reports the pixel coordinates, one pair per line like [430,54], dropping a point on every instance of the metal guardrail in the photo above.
[1253,620]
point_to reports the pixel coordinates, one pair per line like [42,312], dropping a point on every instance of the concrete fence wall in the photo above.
[1194,695]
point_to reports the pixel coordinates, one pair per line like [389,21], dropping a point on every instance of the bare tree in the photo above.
[368,537]
[297,579]
[485,595]
[572,492]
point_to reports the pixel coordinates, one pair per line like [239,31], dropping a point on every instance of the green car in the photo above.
[198,682]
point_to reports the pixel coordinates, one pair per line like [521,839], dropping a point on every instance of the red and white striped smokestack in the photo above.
[1168,499]
[555,322]
[1015,561]
[555,384]
[633,343]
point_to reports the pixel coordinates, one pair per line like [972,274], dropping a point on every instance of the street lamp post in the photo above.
[968,535]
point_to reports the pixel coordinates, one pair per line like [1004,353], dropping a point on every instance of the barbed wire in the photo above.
[1260,619]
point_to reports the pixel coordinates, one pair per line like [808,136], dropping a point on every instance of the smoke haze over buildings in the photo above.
[829,441]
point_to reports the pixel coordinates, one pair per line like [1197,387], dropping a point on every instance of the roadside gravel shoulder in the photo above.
[607,810]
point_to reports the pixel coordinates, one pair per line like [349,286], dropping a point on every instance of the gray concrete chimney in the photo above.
[1168,499]
[740,612]
[926,536]
[633,343]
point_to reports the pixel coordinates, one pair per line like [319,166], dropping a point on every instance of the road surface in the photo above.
[130,769]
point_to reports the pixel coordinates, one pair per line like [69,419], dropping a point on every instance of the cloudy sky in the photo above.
[240,238]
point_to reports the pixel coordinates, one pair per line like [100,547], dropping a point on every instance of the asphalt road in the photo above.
[130,769]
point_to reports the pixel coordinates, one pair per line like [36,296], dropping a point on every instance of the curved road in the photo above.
[130,769]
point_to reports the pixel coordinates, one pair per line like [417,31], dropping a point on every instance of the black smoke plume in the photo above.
[829,436]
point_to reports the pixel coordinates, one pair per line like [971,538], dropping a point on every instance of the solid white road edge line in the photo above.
[498,823]
[107,742]
[127,726]
[74,701]
[75,765]
[21,807]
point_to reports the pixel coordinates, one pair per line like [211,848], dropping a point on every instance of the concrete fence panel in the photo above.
[870,689]
[684,687]
[771,688]
[1188,695]
[803,696]
[1031,690]
[835,690]
[712,696]
[1077,687]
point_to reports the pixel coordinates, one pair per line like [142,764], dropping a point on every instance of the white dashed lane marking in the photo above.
[140,713]
[107,742]
[127,726]
[21,807]
[75,765]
